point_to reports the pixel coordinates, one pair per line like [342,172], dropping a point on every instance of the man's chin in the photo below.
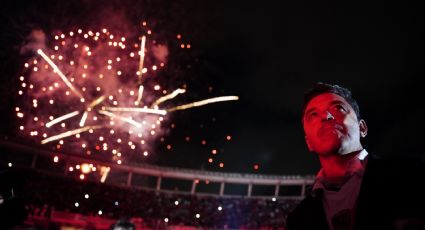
[330,148]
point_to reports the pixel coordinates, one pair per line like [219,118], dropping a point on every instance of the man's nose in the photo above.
[327,116]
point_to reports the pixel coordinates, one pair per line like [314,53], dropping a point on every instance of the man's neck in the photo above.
[336,167]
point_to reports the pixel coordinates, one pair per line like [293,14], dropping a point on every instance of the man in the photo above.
[354,190]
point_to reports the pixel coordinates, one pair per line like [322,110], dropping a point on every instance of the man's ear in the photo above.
[363,128]
[310,148]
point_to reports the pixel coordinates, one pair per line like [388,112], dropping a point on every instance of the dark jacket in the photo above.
[391,196]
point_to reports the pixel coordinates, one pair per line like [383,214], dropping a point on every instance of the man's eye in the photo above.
[340,108]
[311,115]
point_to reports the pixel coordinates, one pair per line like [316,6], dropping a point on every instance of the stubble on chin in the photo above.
[330,145]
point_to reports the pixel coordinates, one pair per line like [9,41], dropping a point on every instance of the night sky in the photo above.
[266,52]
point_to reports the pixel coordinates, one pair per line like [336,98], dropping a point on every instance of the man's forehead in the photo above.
[324,99]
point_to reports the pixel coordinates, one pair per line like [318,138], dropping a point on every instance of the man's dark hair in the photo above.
[321,88]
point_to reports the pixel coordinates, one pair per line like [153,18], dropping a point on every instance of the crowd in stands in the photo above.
[43,194]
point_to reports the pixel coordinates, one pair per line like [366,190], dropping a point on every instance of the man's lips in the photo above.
[330,128]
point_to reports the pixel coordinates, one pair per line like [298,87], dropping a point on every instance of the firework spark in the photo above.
[141,61]
[168,97]
[89,108]
[61,75]
[142,58]
[70,133]
[84,118]
[62,118]
[126,119]
[204,102]
[139,95]
[137,110]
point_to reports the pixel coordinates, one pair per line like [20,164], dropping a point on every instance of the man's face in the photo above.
[331,126]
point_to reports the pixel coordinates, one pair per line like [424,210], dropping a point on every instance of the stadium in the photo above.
[56,195]
[185,114]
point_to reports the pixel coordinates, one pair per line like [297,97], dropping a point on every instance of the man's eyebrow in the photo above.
[334,102]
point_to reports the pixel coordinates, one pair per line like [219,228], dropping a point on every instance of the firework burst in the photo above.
[87,94]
